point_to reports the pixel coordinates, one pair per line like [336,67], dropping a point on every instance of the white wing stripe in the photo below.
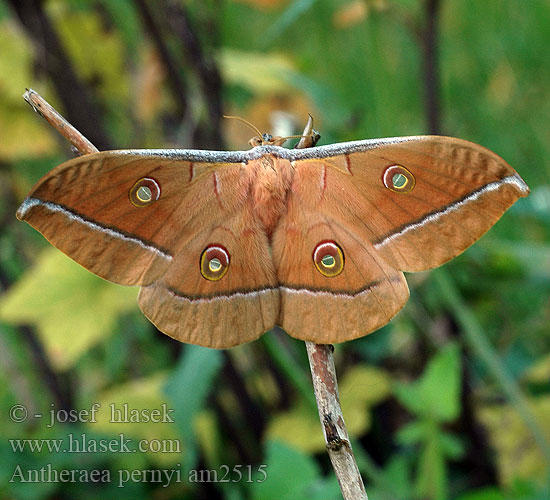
[30,203]
[516,180]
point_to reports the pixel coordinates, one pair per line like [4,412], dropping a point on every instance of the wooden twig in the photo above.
[325,387]
[46,111]
[339,449]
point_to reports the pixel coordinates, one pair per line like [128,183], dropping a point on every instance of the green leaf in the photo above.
[209,437]
[451,445]
[290,16]
[412,433]
[434,399]
[396,482]
[436,394]
[432,470]
[289,472]
[187,390]
[292,475]
[532,256]
[124,15]
[490,493]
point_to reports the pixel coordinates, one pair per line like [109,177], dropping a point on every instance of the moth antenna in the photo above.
[297,136]
[313,135]
[246,122]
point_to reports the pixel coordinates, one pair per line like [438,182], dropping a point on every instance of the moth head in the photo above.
[269,140]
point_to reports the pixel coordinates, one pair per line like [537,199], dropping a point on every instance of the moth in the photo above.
[227,244]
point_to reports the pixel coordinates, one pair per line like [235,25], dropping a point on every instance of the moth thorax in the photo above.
[271,184]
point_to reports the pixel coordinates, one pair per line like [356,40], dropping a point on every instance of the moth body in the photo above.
[227,244]
[270,181]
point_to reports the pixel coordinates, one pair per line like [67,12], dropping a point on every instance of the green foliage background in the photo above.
[450,401]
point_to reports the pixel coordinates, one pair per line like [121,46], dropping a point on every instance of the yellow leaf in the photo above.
[502,85]
[539,372]
[97,53]
[139,411]
[71,308]
[362,387]
[259,72]
[207,432]
[15,63]
[22,134]
[518,456]
[298,427]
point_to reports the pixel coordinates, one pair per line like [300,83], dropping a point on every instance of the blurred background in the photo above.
[449,401]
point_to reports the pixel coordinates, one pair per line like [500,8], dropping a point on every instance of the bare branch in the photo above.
[44,109]
[339,449]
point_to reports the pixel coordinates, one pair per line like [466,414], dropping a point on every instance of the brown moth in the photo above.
[228,244]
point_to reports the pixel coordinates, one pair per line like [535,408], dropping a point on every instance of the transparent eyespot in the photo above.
[398,179]
[214,262]
[328,261]
[215,265]
[328,258]
[144,192]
